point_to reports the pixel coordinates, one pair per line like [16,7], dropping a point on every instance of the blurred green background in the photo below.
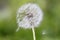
[49,29]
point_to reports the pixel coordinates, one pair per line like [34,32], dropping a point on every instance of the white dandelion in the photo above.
[29,16]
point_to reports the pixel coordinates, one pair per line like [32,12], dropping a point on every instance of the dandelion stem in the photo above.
[34,37]
[17,29]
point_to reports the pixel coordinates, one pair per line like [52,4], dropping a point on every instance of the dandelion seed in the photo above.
[29,16]
[43,32]
[5,13]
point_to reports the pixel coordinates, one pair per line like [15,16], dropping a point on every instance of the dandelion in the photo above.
[29,16]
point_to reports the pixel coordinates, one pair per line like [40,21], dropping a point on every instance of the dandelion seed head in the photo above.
[29,15]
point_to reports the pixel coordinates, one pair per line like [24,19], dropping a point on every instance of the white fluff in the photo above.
[29,15]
